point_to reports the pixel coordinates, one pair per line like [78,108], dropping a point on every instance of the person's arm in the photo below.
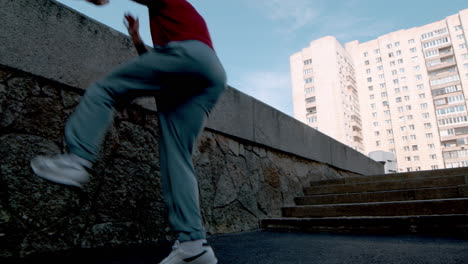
[133,25]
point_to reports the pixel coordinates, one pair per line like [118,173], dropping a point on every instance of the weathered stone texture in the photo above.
[240,182]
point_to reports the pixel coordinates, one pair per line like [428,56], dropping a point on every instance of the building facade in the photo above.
[404,92]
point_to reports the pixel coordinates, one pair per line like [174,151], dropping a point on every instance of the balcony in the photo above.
[446,52]
[441,65]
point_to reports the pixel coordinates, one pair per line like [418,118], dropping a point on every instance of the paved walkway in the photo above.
[265,247]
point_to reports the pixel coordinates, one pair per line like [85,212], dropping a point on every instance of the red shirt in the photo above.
[177,20]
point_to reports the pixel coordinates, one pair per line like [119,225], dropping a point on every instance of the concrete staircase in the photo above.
[426,202]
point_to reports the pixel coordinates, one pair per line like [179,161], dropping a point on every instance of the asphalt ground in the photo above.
[269,247]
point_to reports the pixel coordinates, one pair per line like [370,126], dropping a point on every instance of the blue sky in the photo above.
[254,38]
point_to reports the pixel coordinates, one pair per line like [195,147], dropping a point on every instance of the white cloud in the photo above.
[272,88]
[296,13]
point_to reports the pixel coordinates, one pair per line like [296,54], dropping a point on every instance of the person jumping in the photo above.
[186,77]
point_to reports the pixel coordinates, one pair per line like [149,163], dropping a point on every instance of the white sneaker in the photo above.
[67,169]
[178,256]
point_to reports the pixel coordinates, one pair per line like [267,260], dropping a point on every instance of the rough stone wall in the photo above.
[240,182]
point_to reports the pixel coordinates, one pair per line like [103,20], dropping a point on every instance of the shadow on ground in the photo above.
[268,247]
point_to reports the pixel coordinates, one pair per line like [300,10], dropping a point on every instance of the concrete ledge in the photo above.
[50,40]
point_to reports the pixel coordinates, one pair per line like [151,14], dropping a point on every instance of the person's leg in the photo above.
[181,122]
[85,130]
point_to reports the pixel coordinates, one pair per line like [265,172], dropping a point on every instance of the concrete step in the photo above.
[431,224]
[386,196]
[401,208]
[395,176]
[431,182]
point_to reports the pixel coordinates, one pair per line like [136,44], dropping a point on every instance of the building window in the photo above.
[400,61]
[419,77]
[377,51]
[459,27]
[413,50]
[380,68]
[411,127]
[429,135]
[379,59]
[397,44]
[368,71]
[465,56]
[383,85]
[404,138]
[433,156]
[431,146]
[420,86]
[413,137]
[309,90]
[310,100]
[406,148]
[407,98]
[397,90]
[434,167]
[373,106]
[414,147]
[366,54]
[307,62]
[377,143]
[398,100]
[463,46]
[410,117]
[423,106]
[389,46]
[422,95]
[408,158]
[376,133]
[309,80]
[411,41]
[427,125]
[371,96]
[381,76]
[371,88]
[384,94]
[460,37]
[402,70]
[308,71]
[366,62]
[425,115]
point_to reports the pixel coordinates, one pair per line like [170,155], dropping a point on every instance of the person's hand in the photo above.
[98,2]
[132,25]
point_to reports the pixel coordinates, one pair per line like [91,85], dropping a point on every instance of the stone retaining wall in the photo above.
[240,182]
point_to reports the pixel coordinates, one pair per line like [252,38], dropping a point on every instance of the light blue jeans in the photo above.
[187,79]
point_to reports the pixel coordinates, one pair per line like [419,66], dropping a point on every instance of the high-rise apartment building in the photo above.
[404,92]
[325,92]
